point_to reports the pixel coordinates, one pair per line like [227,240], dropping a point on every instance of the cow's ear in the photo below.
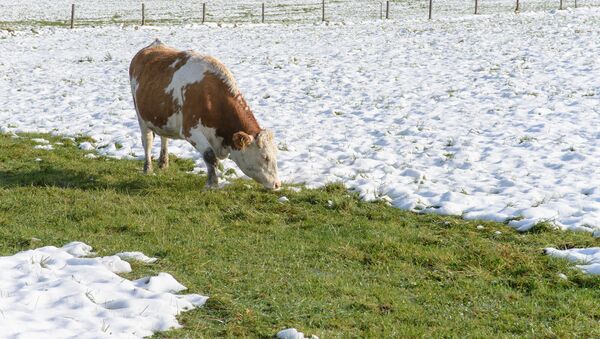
[242,140]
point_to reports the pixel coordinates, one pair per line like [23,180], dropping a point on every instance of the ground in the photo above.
[490,117]
[487,117]
[324,262]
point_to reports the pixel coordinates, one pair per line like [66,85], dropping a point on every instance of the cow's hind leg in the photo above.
[211,164]
[147,140]
[163,160]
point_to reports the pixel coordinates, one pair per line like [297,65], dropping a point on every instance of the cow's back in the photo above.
[150,73]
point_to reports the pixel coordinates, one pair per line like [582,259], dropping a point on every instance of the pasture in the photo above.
[326,262]
[427,165]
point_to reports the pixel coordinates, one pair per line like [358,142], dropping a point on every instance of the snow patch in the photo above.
[292,333]
[588,258]
[139,256]
[62,293]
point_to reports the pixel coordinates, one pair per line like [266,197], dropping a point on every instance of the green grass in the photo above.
[354,269]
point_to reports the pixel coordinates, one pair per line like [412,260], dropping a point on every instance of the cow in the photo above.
[186,95]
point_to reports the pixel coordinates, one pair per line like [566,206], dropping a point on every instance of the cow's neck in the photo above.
[241,112]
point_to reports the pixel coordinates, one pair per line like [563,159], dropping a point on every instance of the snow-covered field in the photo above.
[275,10]
[490,117]
[62,293]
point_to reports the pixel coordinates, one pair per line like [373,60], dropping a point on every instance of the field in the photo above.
[396,139]
[165,12]
[325,262]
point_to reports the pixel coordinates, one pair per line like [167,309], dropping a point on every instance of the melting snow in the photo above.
[292,333]
[61,292]
[588,258]
[139,256]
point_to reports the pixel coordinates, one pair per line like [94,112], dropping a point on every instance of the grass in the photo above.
[347,269]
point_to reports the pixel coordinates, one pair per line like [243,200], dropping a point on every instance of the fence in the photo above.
[269,11]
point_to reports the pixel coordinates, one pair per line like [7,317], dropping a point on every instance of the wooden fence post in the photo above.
[475,6]
[323,12]
[143,14]
[517,8]
[381,11]
[203,12]
[387,9]
[575,3]
[430,5]
[560,6]
[72,14]
[262,20]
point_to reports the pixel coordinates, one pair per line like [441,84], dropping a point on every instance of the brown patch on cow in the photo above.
[216,107]
[151,69]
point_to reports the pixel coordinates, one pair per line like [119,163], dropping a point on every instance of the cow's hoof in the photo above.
[163,165]
[211,184]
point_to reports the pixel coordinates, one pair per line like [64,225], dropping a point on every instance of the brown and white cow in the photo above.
[186,95]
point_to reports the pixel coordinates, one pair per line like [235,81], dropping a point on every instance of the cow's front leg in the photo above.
[211,164]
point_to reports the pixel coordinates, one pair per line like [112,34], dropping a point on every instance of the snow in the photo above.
[249,10]
[292,333]
[487,117]
[588,258]
[44,147]
[479,117]
[62,292]
[40,141]
[139,256]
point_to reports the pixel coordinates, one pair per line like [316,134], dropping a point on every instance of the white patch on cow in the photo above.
[222,72]
[203,138]
[190,73]
[174,64]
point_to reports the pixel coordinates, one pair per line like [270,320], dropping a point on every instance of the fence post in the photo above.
[575,3]
[143,14]
[203,12]
[72,14]
[387,9]
[560,6]
[475,6]
[381,11]
[323,12]
[262,20]
[430,5]
[517,8]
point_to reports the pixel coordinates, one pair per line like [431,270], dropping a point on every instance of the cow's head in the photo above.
[257,157]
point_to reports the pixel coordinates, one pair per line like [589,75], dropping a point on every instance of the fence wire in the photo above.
[276,11]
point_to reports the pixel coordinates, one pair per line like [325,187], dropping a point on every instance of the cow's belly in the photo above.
[166,132]
[172,129]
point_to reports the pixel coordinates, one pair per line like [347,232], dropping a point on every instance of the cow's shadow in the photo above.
[67,178]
